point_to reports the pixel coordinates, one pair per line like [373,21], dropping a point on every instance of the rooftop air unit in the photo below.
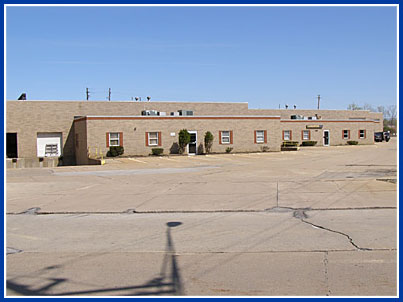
[149,112]
[185,112]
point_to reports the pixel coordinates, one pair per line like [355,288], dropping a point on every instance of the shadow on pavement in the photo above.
[167,283]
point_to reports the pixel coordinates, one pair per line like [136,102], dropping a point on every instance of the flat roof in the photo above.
[127,101]
[328,120]
[159,117]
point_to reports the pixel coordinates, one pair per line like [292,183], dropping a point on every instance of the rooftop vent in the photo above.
[185,112]
[150,112]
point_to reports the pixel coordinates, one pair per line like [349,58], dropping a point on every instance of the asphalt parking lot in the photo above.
[315,222]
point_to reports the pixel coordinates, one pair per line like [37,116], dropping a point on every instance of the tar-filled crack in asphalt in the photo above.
[301,215]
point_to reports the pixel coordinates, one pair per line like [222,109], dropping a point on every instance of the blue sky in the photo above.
[265,56]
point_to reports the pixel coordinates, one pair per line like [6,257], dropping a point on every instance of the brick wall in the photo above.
[27,118]
[134,133]
[335,131]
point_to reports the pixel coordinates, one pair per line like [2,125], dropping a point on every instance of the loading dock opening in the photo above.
[11,145]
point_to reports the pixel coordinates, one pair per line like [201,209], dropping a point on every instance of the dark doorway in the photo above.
[193,142]
[11,145]
[326,138]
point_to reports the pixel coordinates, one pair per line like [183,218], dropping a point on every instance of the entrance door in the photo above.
[11,147]
[192,147]
[326,141]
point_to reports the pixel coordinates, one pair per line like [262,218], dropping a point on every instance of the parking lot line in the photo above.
[137,160]
[243,155]
[219,157]
[167,158]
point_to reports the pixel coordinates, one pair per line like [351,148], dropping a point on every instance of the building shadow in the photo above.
[168,282]
[69,158]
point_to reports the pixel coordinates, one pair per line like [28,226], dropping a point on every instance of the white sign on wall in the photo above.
[49,144]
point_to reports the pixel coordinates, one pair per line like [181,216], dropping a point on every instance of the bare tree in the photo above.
[368,107]
[391,111]
[353,106]
[381,109]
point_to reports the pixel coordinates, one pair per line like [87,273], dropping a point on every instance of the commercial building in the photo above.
[75,129]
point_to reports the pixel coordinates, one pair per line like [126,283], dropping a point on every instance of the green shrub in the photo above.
[208,141]
[184,140]
[157,151]
[229,149]
[290,144]
[115,151]
[309,143]
[352,142]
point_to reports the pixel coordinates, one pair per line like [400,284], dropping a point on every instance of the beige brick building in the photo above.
[71,129]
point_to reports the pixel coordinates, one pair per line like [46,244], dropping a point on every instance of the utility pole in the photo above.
[318,100]
[88,94]
[109,95]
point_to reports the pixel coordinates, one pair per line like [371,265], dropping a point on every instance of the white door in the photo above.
[49,144]
[326,138]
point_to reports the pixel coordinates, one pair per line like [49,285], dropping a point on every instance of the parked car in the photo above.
[386,136]
[378,136]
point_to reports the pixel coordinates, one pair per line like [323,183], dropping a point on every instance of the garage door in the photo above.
[49,144]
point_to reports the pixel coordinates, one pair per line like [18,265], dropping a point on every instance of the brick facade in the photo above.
[135,131]
[28,118]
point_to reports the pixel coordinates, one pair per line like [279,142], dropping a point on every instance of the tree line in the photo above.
[389,114]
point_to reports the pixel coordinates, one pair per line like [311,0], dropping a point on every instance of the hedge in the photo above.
[309,143]
[157,151]
[115,151]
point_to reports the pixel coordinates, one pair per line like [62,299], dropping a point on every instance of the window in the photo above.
[51,150]
[114,139]
[287,135]
[260,136]
[225,137]
[362,133]
[306,135]
[346,134]
[153,138]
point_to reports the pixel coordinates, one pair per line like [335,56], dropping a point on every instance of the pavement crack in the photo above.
[301,211]
[326,272]
[11,250]
[302,216]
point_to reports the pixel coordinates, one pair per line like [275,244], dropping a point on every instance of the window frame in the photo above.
[226,136]
[303,137]
[156,138]
[364,134]
[348,134]
[262,137]
[289,135]
[110,139]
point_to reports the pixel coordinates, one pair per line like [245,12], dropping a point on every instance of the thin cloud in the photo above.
[84,62]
